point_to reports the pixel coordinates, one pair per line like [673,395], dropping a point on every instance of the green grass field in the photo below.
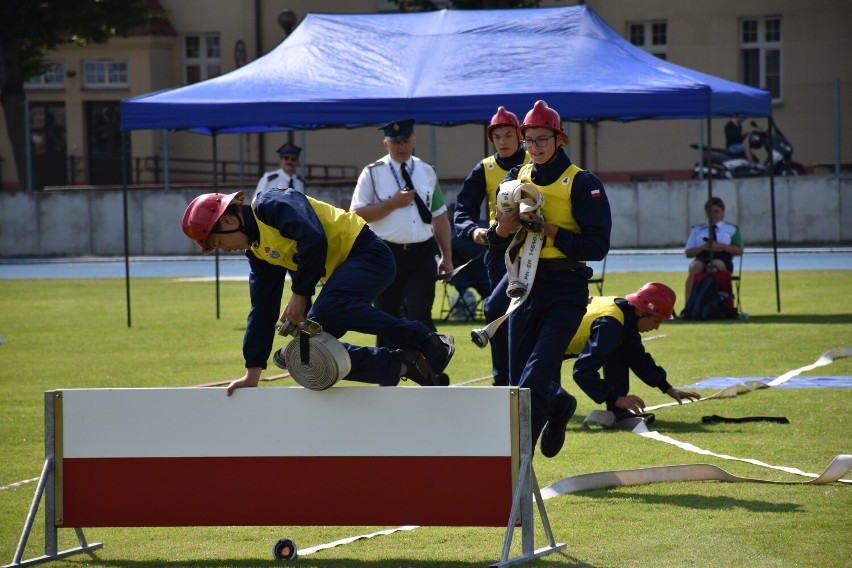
[74,333]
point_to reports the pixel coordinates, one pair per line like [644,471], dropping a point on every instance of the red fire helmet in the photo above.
[654,298]
[543,116]
[203,213]
[502,118]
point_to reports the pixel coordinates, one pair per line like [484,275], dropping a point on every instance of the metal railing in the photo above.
[230,170]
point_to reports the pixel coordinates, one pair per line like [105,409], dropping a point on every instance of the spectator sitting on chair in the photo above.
[473,275]
[717,239]
[608,339]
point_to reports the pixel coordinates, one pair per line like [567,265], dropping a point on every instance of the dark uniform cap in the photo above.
[399,129]
[289,149]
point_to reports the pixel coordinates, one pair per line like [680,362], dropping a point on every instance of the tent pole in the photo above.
[166,159]
[124,166]
[303,164]
[710,169]
[837,127]
[700,159]
[772,201]
[485,149]
[242,160]
[711,232]
[216,189]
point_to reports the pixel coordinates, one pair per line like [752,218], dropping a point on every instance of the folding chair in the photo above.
[467,305]
[471,288]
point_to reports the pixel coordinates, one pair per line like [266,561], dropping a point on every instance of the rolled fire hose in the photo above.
[315,358]
[521,255]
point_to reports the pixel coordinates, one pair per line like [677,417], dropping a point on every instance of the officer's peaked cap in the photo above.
[289,149]
[398,129]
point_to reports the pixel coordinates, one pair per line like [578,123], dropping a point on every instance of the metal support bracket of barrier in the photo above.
[45,488]
[525,489]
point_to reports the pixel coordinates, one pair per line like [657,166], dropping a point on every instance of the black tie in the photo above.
[425,214]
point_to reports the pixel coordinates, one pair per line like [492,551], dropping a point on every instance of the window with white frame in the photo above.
[105,75]
[651,36]
[53,78]
[760,53]
[202,57]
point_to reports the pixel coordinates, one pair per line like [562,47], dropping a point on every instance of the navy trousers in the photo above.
[345,303]
[539,333]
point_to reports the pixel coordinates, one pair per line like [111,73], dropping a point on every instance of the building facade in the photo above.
[794,50]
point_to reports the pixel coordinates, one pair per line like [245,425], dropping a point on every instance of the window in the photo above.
[105,75]
[760,54]
[202,56]
[53,78]
[650,36]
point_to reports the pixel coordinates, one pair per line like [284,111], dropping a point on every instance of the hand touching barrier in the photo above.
[357,455]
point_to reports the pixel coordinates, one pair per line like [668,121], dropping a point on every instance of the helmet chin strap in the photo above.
[240,229]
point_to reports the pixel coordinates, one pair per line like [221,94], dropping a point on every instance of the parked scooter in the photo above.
[782,150]
[720,163]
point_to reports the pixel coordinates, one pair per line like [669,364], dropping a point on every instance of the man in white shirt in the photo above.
[712,245]
[400,198]
[285,176]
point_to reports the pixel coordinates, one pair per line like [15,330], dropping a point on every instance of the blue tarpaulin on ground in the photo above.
[821,381]
[443,67]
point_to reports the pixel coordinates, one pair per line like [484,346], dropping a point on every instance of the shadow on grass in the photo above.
[777,318]
[304,562]
[695,501]
[664,427]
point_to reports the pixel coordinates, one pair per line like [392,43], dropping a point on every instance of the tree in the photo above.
[30,29]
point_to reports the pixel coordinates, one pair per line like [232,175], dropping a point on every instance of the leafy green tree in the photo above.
[30,29]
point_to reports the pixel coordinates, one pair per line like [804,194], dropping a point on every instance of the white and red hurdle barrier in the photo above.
[347,456]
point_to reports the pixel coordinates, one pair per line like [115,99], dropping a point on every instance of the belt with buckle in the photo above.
[406,246]
[559,264]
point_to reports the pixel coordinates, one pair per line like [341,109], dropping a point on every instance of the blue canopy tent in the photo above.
[345,70]
[351,70]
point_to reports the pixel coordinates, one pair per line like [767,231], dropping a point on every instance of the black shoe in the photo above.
[560,409]
[438,350]
[417,368]
[442,380]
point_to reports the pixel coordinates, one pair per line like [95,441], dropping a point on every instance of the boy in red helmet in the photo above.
[285,231]
[575,221]
[608,339]
[480,187]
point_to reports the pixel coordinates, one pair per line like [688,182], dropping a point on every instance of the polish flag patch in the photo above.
[596,193]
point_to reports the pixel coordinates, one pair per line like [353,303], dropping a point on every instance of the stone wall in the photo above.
[808,210]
